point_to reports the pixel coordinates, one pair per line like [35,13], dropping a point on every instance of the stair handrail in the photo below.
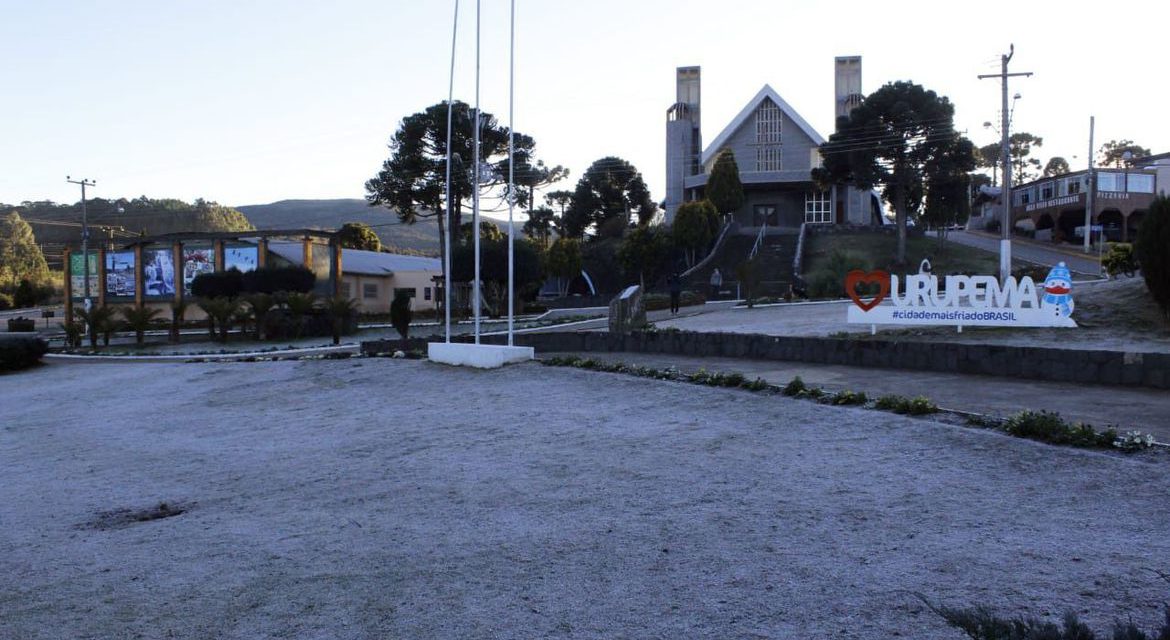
[759,240]
[798,259]
[714,250]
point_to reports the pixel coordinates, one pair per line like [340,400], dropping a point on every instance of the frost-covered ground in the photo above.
[400,499]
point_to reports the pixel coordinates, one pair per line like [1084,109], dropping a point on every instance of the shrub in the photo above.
[6,301]
[341,312]
[276,279]
[759,384]
[981,624]
[1119,256]
[1049,427]
[828,280]
[749,276]
[400,314]
[1152,249]
[218,284]
[889,403]
[794,387]
[849,398]
[21,352]
[138,320]
[918,406]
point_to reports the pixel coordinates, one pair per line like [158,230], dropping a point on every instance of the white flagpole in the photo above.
[511,164]
[447,222]
[475,198]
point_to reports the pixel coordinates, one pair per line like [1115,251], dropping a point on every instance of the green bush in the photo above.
[6,301]
[828,280]
[918,406]
[279,279]
[1119,256]
[1049,427]
[849,398]
[1153,252]
[218,284]
[21,352]
[980,623]
[794,387]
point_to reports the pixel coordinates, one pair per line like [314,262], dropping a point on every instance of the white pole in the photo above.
[447,222]
[1089,187]
[475,195]
[511,163]
[1005,242]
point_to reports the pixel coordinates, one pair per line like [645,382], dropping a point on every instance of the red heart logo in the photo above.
[857,276]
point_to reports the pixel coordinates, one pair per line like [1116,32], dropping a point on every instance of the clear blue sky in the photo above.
[251,102]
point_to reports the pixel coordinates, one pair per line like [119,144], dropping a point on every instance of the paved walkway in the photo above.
[1128,408]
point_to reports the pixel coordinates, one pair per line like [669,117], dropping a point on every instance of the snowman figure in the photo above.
[1058,292]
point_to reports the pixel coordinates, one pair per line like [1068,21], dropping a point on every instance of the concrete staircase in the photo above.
[775,256]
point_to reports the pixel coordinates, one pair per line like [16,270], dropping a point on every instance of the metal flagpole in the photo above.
[511,163]
[447,237]
[475,193]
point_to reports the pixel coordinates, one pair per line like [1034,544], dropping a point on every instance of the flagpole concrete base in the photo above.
[480,356]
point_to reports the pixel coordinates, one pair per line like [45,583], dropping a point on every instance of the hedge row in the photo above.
[21,352]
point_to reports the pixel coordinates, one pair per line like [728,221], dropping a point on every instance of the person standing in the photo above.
[675,292]
[716,283]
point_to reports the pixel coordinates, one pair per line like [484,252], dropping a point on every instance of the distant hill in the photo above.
[331,214]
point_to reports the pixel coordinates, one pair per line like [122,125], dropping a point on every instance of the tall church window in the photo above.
[769,126]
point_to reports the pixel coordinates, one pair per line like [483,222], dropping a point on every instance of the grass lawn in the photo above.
[877,251]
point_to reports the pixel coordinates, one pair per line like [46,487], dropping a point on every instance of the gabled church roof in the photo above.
[766,92]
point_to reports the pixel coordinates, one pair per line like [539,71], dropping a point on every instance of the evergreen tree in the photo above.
[20,257]
[724,189]
[1152,249]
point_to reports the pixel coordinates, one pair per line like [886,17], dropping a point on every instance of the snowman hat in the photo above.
[1060,272]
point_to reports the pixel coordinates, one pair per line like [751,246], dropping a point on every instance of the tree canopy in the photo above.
[20,257]
[645,252]
[1020,147]
[724,189]
[125,218]
[564,259]
[890,140]
[540,224]
[1056,166]
[611,188]
[692,227]
[359,235]
[413,179]
[1112,153]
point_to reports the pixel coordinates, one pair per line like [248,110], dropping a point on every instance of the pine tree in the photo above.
[20,257]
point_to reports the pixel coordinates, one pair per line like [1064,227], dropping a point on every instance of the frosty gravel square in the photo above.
[378,498]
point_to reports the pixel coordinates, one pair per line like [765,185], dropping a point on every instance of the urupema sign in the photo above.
[974,301]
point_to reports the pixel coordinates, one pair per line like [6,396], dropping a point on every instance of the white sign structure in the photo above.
[926,299]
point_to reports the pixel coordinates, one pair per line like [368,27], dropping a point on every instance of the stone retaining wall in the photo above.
[1033,363]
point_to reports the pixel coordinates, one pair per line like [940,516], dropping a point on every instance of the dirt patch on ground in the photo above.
[405,499]
[122,518]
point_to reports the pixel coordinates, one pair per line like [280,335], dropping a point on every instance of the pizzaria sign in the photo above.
[926,299]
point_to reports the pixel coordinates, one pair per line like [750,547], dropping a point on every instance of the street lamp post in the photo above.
[84,234]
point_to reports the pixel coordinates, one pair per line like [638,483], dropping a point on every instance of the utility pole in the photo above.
[84,235]
[1005,242]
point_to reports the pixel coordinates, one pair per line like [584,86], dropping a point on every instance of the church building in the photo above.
[775,149]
